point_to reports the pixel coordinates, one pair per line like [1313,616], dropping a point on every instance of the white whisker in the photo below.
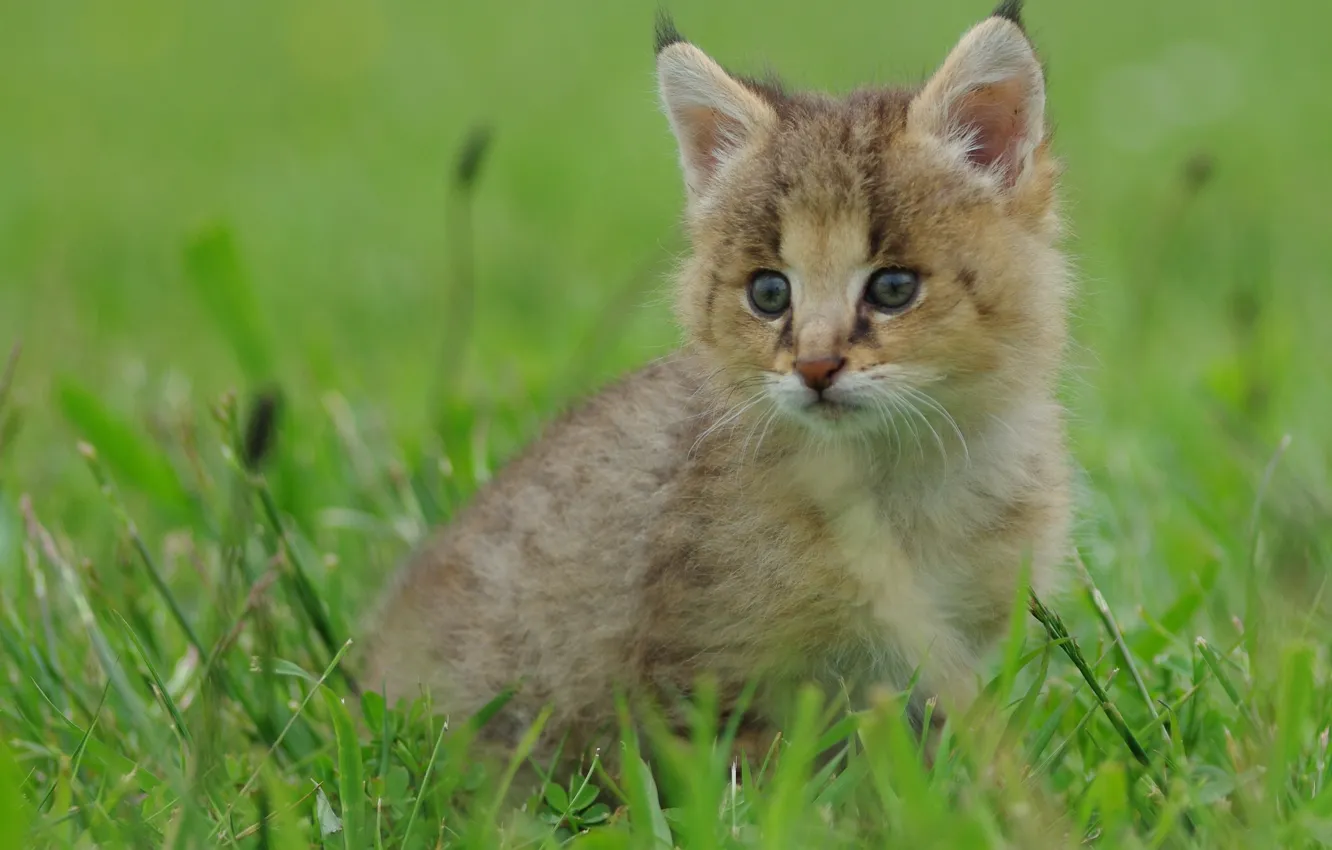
[902,408]
[758,422]
[730,417]
[948,417]
[910,404]
[767,423]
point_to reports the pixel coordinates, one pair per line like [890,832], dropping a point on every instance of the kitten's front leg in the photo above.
[754,742]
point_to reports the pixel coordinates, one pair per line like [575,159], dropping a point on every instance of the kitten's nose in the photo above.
[818,372]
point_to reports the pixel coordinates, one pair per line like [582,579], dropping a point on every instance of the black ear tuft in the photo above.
[667,34]
[1010,10]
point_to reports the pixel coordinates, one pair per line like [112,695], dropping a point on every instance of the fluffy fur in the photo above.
[713,514]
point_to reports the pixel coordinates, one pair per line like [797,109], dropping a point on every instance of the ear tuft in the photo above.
[987,99]
[712,114]
[666,33]
[1009,10]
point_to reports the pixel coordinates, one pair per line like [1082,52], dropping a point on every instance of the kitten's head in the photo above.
[854,254]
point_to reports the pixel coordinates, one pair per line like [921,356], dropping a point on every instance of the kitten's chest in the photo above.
[876,556]
[894,564]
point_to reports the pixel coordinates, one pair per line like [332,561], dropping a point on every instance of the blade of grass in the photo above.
[8,421]
[462,289]
[1017,632]
[425,783]
[1049,761]
[787,794]
[7,375]
[48,658]
[300,710]
[32,663]
[302,587]
[212,264]
[386,741]
[1172,709]
[1054,627]
[520,753]
[351,773]
[647,822]
[93,459]
[1216,664]
[1117,636]
[1044,735]
[1254,614]
[105,656]
[252,602]
[107,758]
[14,814]
[77,756]
[132,457]
[262,721]
[282,825]
[1294,699]
[162,693]
[1017,721]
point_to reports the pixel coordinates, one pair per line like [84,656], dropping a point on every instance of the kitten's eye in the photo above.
[769,293]
[892,289]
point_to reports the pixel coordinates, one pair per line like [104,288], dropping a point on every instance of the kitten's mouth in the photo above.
[834,407]
[829,408]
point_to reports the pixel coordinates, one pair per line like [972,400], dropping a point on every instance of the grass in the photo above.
[283,307]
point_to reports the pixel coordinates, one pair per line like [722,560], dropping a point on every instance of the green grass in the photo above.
[200,203]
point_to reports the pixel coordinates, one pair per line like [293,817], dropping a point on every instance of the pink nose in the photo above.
[818,372]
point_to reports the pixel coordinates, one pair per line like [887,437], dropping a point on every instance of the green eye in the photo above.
[769,293]
[892,289]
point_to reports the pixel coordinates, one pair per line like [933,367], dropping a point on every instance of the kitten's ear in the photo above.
[712,114]
[988,97]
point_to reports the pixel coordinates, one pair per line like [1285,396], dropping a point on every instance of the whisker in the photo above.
[767,423]
[754,426]
[938,440]
[948,417]
[885,410]
[730,417]
[908,406]
[900,406]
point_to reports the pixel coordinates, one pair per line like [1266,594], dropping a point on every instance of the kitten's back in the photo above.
[538,576]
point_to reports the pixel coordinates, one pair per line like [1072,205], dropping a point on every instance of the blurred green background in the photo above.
[204,197]
[322,135]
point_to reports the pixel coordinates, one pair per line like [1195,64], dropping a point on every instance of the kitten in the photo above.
[840,476]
